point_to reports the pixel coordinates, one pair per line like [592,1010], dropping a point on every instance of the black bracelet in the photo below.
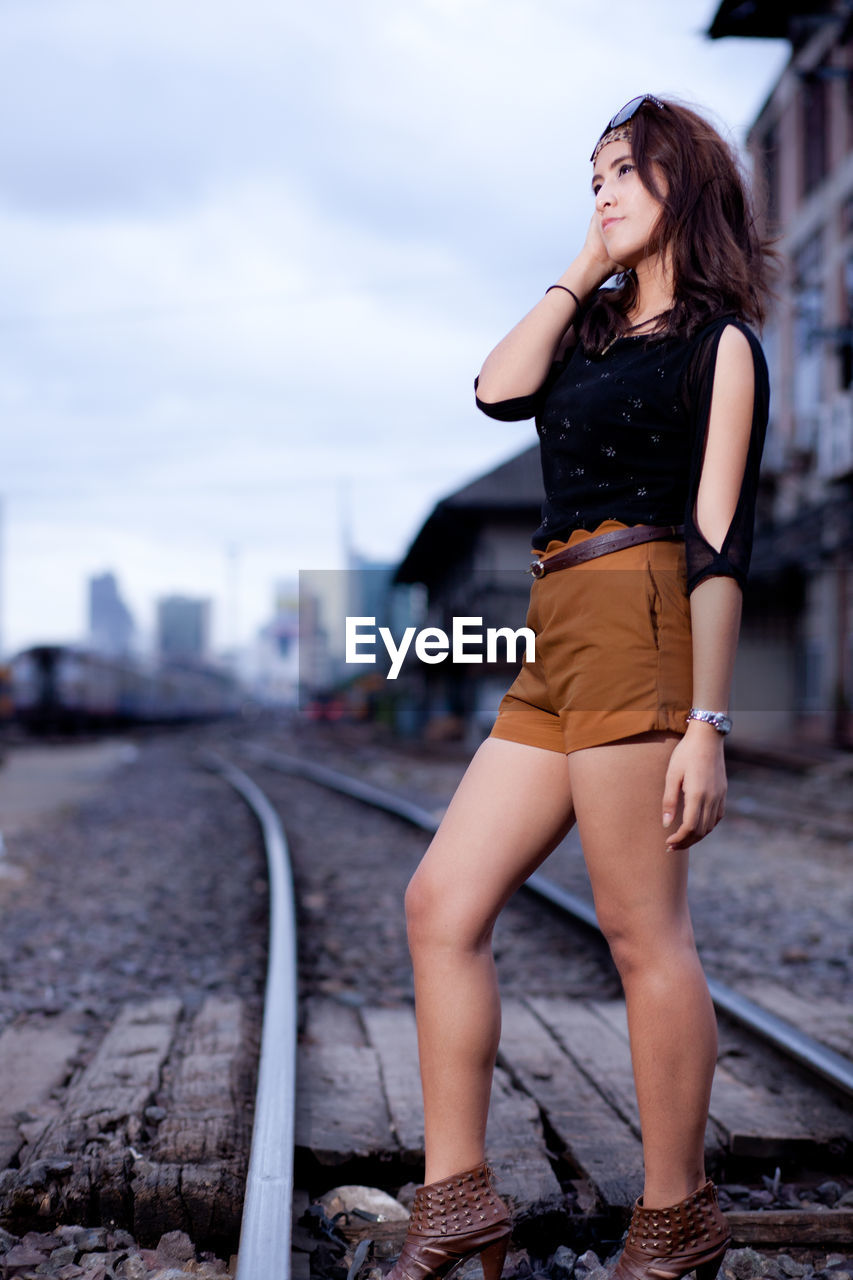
[566,290]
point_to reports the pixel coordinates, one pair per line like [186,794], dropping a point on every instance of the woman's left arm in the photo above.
[697,768]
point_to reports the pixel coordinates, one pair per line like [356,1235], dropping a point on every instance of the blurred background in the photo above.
[252,257]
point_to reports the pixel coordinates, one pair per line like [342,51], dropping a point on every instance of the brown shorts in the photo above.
[614,653]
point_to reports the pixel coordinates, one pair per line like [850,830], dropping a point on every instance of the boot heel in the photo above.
[451,1221]
[494,1256]
[666,1241]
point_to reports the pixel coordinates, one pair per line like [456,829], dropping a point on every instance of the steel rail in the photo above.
[264,1249]
[804,1049]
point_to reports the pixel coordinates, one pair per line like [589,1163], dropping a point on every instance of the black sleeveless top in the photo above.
[622,437]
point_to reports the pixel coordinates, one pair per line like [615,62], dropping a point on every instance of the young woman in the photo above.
[650,401]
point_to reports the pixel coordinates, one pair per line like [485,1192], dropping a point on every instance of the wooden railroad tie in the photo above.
[563,1091]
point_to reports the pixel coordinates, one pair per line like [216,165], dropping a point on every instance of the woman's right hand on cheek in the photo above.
[594,252]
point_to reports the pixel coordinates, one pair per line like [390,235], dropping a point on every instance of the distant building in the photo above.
[111,626]
[802,148]
[316,666]
[485,526]
[471,555]
[183,627]
[275,678]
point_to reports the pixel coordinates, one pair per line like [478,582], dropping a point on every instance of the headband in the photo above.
[622,133]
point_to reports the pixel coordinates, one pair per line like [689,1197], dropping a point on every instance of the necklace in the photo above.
[631,327]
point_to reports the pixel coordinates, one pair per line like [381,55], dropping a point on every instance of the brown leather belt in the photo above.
[615,540]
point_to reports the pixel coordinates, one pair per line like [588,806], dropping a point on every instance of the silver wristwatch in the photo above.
[721,722]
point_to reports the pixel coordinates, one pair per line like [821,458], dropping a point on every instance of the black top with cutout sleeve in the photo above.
[622,437]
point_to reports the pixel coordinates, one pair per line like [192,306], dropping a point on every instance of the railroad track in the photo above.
[773,1030]
[119,1133]
[264,1249]
[532,1074]
[762,1024]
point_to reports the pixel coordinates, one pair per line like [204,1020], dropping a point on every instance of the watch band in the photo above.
[718,719]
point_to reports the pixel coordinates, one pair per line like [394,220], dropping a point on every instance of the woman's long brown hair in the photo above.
[721,265]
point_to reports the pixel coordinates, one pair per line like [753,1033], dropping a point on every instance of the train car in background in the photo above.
[66,689]
[7,706]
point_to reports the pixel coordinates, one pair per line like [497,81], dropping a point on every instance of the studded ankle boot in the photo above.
[452,1220]
[665,1244]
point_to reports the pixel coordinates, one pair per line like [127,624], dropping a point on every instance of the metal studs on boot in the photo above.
[453,1220]
[666,1244]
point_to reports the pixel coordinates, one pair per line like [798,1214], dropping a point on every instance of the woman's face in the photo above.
[627,211]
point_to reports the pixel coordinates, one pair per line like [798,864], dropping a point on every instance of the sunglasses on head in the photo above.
[625,113]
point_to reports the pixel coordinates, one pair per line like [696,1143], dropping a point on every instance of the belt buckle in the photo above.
[537,569]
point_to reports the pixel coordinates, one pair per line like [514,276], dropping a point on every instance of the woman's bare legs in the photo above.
[513,805]
[640,892]
[511,808]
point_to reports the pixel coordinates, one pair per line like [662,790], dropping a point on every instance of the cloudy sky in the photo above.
[252,255]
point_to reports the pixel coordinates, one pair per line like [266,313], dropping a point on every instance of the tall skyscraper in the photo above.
[111,625]
[183,627]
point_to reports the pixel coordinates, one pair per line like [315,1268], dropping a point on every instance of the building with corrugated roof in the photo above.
[471,554]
